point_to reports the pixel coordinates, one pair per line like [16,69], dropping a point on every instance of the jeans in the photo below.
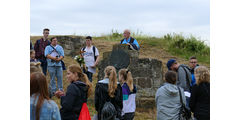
[55,71]
[89,74]
[44,66]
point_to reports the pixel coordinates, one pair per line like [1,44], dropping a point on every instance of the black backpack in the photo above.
[188,82]
[108,111]
[94,50]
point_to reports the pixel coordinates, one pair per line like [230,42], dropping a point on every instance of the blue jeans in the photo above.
[89,74]
[55,71]
[44,66]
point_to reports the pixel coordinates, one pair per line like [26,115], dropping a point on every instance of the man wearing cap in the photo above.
[184,77]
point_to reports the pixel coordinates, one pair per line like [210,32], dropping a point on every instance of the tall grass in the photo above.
[176,44]
[188,46]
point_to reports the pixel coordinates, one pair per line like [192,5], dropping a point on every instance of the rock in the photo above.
[71,45]
[146,72]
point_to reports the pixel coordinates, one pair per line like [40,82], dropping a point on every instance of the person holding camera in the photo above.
[54,54]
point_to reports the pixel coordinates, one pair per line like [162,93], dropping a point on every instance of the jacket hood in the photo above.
[170,89]
[81,85]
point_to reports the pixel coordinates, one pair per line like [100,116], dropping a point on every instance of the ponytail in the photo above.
[127,77]
[110,72]
[129,80]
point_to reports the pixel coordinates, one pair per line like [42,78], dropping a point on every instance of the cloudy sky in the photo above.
[97,17]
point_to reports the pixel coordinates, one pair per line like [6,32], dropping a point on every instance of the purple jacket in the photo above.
[39,48]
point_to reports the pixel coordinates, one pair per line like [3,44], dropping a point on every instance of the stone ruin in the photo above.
[146,72]
[71,45]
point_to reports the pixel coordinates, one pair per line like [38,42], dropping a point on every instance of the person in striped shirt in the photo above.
[129,94]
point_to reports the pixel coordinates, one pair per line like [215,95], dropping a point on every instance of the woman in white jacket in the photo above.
[168,98]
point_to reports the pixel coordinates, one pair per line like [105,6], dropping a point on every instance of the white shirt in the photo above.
[89,58]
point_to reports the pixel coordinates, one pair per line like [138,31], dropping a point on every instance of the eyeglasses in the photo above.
[193,62]
[46,33]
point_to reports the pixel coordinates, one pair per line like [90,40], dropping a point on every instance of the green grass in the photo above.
[176,44]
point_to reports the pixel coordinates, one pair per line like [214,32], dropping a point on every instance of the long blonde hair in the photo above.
[82,77]
[202,74]
[35,67]
[127,77]
[110,72]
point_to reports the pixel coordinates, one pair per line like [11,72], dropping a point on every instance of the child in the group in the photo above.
[129,94]
[108,91]
[41,107]
[32,56]
[78,91]
[35,67]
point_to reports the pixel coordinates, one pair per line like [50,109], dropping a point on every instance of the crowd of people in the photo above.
[115,95]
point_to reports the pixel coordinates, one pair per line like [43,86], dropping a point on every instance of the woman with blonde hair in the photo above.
[200,95]
[78,91]
[41,107]
[129,91]
[109,90]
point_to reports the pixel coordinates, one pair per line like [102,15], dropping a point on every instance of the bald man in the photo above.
[132,42]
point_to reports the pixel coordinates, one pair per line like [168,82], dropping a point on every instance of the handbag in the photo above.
[63,65]
[185,113]
[84,114]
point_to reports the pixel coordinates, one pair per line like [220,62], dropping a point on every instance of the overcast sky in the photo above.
[97,17]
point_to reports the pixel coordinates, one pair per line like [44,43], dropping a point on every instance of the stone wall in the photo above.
[146,72]
[71,45]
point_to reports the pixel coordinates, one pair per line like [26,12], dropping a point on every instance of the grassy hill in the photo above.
[169,46]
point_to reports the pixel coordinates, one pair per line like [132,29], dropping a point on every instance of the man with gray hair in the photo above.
[130,41]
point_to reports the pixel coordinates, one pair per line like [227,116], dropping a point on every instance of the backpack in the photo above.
[94,50]
[84,114]
[108,111]
[188,82]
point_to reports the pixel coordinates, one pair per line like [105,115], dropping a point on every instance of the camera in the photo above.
[54,60]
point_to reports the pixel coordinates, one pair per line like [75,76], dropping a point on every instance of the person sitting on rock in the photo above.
[130,41]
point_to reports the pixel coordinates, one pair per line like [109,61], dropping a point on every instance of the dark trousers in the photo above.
[44,66]
[89,74]
[128,116]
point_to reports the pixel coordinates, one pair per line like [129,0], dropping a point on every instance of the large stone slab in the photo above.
[146,72]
